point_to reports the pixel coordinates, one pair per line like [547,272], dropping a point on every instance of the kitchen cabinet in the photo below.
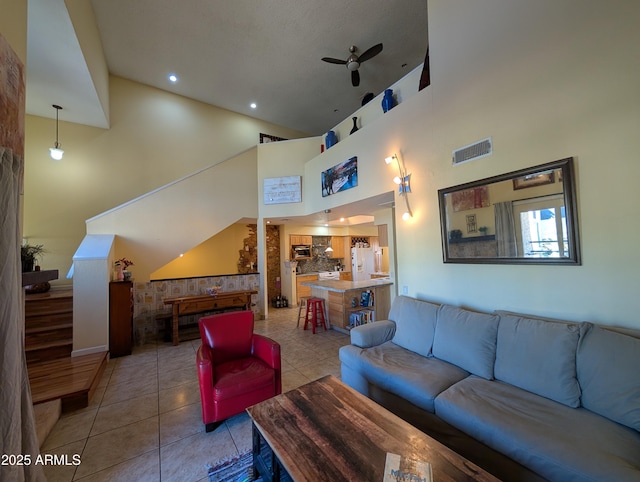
[337,244]
[304,290]
[383,235]
[120,318]
[300,239]
[345,275]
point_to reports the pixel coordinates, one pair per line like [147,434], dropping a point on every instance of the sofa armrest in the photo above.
[372,334]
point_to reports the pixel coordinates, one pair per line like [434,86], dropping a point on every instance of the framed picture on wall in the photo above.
[266,138]
[340,177]
[538,179]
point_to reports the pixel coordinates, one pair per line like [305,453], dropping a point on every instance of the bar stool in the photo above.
[303,303]
[315,311]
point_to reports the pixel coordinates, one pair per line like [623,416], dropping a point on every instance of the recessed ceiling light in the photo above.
[253,105]
[173,78]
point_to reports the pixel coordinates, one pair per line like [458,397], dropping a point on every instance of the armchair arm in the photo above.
[372,334]
[267,350]
[204,365]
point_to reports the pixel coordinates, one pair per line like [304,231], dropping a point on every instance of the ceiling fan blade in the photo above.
[334,61]
[355,78]
[372,52]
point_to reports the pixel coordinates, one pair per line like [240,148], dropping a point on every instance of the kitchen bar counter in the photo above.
[341,286]
[340,297]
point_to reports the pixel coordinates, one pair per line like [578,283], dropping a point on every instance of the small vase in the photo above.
[331,139]
[120,273]
[355,125]
[388,102]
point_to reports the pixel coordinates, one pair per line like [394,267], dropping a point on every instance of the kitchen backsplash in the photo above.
[318,264]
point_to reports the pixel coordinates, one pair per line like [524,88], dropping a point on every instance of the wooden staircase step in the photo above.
[72,379]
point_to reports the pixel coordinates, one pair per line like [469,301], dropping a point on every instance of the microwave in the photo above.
[301,251]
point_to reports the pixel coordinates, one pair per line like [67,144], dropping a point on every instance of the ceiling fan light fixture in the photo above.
[353,65]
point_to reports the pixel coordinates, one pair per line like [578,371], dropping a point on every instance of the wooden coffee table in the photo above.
[325,430]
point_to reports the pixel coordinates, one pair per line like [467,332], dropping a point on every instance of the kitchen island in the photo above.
[350,303]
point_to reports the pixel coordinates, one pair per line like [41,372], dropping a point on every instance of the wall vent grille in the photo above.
[473,151]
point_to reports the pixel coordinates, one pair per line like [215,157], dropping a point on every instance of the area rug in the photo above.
[236,469]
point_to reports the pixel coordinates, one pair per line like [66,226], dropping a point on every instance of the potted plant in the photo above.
[28,255]
[483,230]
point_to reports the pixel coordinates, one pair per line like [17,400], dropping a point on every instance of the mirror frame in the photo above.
[571,213]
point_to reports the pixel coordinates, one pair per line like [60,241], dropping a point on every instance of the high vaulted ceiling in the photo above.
[228,53]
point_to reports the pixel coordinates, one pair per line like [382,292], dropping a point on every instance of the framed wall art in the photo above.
[340,177]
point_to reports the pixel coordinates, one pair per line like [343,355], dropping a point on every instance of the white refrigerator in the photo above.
[362,263]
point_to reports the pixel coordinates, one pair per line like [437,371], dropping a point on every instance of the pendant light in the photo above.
[55,151]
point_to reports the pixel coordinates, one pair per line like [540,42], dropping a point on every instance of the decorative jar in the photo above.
[388,102]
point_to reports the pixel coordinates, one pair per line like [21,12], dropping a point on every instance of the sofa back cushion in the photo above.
[539,356]
[608,365]
[415,324]
[466,339]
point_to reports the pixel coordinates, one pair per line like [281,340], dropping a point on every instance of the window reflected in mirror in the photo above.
[523,217]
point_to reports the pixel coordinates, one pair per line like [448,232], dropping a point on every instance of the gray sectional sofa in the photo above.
[525,398]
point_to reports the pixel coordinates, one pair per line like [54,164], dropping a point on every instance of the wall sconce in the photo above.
[55,152]
[403,180]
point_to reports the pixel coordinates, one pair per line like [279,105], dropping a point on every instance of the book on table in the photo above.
[400,468]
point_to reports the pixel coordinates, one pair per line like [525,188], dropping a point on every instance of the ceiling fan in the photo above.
[353,61]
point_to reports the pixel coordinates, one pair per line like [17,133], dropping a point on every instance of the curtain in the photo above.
[505,230]
[17,423]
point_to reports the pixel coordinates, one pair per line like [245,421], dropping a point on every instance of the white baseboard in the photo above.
[89,351]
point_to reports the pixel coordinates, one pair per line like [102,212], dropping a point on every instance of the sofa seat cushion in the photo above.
[556,441]
[238,377]
[539,356]
[413,377]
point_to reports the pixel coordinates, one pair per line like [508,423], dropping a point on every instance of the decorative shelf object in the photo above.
[35,277]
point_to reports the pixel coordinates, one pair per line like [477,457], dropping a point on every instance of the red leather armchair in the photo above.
[236,368]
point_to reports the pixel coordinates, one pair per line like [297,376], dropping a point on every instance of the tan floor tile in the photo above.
[144,468]
[118,392]
[180,423]
[240,429]
[119,445]
[177,377]
[293,379]
[64,473]
[133,373]
[125,413]
[188,459]
[70,428]
[179,360]
[179,396]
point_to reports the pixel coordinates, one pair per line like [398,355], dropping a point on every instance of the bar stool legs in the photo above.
[315,312]
[302,304]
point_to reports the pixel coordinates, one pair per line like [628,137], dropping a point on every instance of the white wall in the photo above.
[547,80]
[155,228]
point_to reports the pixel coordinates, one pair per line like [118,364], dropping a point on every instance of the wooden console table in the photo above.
[189,305]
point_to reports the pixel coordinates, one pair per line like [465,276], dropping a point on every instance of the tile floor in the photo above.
[144,423]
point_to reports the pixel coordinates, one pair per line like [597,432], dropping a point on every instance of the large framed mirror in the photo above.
[522,217]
